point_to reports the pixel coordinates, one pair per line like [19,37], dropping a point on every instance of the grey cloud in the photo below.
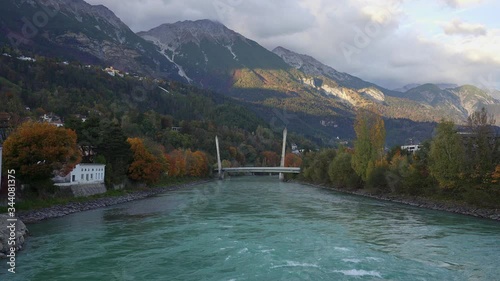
[458,27]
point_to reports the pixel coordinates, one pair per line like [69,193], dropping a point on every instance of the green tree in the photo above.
[482,147]
[369,143]
[341,173]
[447,156]
[320,165]
[116,150]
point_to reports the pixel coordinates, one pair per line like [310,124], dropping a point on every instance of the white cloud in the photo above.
[461,3]
[458,27]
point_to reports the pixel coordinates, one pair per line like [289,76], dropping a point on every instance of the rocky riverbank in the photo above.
[12,235]
[33,216]
[453,207]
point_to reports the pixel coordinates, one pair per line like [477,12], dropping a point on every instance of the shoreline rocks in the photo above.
[452,207]
[6,229]
[57,211]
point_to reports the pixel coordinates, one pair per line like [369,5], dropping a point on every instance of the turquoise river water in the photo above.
[257,228]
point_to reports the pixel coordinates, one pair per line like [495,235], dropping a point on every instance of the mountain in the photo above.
[207,52]
[441,86]
[312,66]
[473,99]
[414,101]
[443,100]
[407,87]
[76,30]
[282,87]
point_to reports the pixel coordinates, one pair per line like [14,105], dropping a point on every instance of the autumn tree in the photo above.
[495,176]
[447,156]
[188,163]
[369,143]
[200,166]
[177,164]
[292,160]
[37,150]
[270,159]
[145,166]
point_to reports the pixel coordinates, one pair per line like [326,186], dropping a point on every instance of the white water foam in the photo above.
[244,250]
[373,259]
[360,272]
[352,260]
[267,251]
[341,249]
[295,264]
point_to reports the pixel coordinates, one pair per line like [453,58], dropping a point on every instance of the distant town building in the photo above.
[111,71]
[412,148]
[23,58]
[53,119]
[176,129]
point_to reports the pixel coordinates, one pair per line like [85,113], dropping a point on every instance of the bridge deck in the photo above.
[289,170]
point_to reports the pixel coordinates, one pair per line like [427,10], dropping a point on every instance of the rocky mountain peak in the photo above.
[183,32]
[82,11]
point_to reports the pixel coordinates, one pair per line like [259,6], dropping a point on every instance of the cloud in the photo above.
[458,27]
[461,3]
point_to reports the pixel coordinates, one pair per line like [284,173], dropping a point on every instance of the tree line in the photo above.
[458,163]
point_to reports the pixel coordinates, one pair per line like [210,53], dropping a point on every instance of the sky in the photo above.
[388,42]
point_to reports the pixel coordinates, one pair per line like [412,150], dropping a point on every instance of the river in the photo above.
[257,228]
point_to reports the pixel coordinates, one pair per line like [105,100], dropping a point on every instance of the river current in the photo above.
[257,228]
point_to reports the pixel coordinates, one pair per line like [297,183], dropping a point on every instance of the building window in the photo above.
[87,177]
[82,176]
[73,178]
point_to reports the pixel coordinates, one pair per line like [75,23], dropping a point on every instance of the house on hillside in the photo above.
[113,72]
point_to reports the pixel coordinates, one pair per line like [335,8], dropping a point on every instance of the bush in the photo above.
[341,173]
[376,179]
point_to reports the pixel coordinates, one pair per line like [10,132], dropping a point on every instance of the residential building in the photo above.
[83,173]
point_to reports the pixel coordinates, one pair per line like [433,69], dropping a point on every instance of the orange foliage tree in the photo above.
[177,163]
[496,174]
[270,159]
[37,150]
[145,166]
[187,163]
[292,160]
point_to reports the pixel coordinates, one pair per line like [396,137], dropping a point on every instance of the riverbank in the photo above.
[33,216]
[427,203]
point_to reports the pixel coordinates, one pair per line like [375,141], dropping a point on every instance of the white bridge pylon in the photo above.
[281,170]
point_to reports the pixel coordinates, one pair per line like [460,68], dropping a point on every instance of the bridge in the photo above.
[281,170]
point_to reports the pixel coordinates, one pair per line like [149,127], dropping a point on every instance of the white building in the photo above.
[83,173]
[411,148]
